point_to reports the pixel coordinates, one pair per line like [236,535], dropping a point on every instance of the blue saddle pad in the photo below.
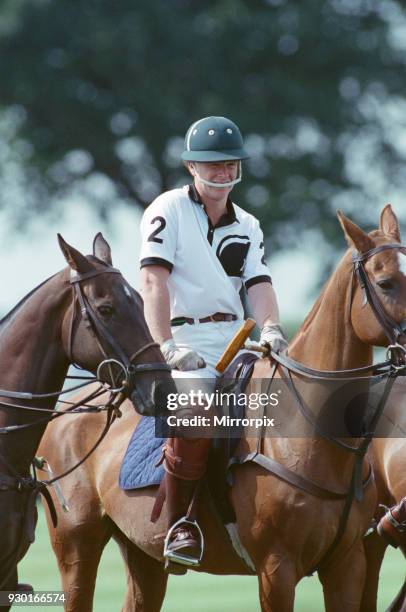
[139,470]
[143,452]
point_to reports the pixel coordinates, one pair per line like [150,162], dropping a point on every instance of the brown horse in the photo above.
[39,338]
[287,531]
[389,460]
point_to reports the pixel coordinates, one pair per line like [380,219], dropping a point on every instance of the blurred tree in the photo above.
[99,95]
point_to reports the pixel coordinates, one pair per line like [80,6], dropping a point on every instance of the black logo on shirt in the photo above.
[232,253]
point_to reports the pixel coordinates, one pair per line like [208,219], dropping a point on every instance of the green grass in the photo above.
[208,593]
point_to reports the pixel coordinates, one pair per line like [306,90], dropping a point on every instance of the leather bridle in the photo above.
[396,353]
[391,328]
[110,349]
[112,353]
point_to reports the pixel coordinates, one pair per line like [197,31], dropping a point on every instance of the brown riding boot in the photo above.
[184,538]
[392,527]
[185,464]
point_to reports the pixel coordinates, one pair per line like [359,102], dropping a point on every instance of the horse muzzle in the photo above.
[153,402]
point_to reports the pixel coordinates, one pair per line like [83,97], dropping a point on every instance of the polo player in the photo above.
[198,250]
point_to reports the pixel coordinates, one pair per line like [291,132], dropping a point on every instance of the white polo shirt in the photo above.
[208,264]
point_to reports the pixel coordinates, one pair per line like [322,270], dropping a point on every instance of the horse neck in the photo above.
[31,342]
[327,340]
[32,359]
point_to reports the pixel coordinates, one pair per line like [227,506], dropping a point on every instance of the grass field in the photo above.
[208,593]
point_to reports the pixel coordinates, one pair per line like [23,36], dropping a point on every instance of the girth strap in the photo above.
[308,486]
[284,473]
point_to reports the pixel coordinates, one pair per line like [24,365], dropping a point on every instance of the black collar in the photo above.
[228,218]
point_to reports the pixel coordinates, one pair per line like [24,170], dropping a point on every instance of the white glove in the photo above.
[181,358]
[273,337]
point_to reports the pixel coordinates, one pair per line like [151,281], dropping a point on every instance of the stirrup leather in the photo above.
[176,557]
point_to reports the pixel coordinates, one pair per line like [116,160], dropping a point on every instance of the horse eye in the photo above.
[105,310]
[386,284]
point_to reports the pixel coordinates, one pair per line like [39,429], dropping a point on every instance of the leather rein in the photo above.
[107,345]
[103,337]
[128,369]
[389,369]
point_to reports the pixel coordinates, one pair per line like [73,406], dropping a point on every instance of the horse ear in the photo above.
[389,223]
[76,260]
[101,249]
[354,235]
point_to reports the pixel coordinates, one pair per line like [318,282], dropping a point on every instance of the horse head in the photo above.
[378,300]
[105,332]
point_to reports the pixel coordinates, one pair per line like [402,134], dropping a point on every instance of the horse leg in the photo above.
[15,539]
[146,578]
[78,549]
[343,581]
[375,548]
[277,581]
[13,580]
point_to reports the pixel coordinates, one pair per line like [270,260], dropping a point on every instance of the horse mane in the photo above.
[316,306]
[11,314]
[313,312]
[23,300]
[6,319]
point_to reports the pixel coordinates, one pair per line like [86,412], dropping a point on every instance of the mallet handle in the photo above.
[235,345]
[257,347]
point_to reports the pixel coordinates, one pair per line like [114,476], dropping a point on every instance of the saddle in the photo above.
[140,467]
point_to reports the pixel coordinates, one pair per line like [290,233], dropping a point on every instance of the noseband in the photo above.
[109,348]
[391,328]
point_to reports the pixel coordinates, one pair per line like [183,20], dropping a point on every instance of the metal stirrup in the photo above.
[179,557]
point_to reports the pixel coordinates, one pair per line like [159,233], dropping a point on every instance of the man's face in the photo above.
[216,172]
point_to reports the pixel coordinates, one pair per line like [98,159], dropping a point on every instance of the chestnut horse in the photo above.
[286,530]
[39,339]
[389,460]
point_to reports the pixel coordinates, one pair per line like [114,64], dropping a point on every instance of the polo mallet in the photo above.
[237,343]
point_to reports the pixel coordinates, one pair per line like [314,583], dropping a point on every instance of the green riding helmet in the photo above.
[214,139]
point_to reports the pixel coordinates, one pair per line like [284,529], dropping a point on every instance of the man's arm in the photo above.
[155,293]
[264,306]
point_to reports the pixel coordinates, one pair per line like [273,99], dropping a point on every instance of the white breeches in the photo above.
[207,339]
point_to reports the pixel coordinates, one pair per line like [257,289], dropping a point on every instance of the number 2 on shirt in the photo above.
[162,224]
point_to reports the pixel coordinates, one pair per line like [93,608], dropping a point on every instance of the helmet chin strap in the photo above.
[221,185]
